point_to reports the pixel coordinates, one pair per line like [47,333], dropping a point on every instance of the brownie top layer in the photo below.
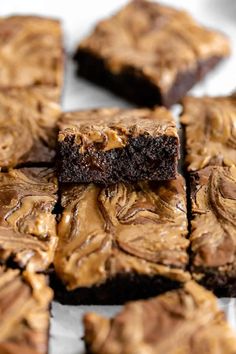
[213,235]
[24,308]
[210,124]
[110,128]
[156,41]
[182,321]
[30,51]
[139,228]
[28,125]
[27,225]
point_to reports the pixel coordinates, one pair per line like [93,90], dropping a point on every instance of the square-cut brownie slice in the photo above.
[31,52]
[28,130]
[24,312]
[112,145]
[27,224]
[213,231]
[121,242]
[150,53]
[210,131]
[186,321]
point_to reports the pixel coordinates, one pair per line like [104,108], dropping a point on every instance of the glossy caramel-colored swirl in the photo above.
[122,228]
[27,225]
[183,321]
[210,124]
[213,237]
[30,52]
[28,130]
[24,312]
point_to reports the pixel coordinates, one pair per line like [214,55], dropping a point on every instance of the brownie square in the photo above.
[111,145]
[28,130]
[121,242]
[209,124]
[31,52]
[24,308]
[150,53]
[28,235]
[213,229]
[187,320]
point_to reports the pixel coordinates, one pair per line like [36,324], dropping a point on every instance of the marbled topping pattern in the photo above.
[210,126]
[156,41]
[28,129]
[213,234]
[28,234]
[139,228]
[110,128]
[185,321]
[31,52]
[24,312]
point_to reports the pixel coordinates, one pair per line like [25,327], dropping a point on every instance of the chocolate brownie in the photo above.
[121,242]
[111,145]
[31,52]
[28,130]
[27,225]
[150,53]
[186,321]
[213,234]
[210,134]
[24,312]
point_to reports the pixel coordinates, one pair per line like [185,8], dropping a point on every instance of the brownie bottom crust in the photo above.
[131,85]
[143,158]
[115,291]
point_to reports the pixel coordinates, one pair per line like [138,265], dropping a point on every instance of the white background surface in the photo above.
[78,17]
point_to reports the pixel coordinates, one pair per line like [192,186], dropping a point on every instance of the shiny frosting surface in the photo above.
[28,130]
[213,236]
[30,51]
[210,124]
[27,225]
[182,321]
[156,41]
[110,128]
[123,228]
[24,312]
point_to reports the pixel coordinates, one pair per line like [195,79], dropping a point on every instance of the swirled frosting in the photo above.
[27,225]
[28,130]
[123,228]
[30,52]
[24,309]
[213,235]
[210,125]
[186,321]
[156,41]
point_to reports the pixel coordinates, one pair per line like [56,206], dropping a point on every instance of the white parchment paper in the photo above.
[78,17]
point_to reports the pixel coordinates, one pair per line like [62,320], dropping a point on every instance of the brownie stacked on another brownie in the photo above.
[150,53]
[186,321]
[209,124]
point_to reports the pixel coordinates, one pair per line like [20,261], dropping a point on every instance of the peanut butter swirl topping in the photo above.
[111,128]
[27,225]
[213,237]
[24,312]
[155,41]
[185,321]
[210,124]
[123,228]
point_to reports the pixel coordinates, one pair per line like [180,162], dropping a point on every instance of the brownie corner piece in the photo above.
[208,124]
[213,232]
[150,53]
[111,145]
[190,314]
[24,312]
[121,242]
